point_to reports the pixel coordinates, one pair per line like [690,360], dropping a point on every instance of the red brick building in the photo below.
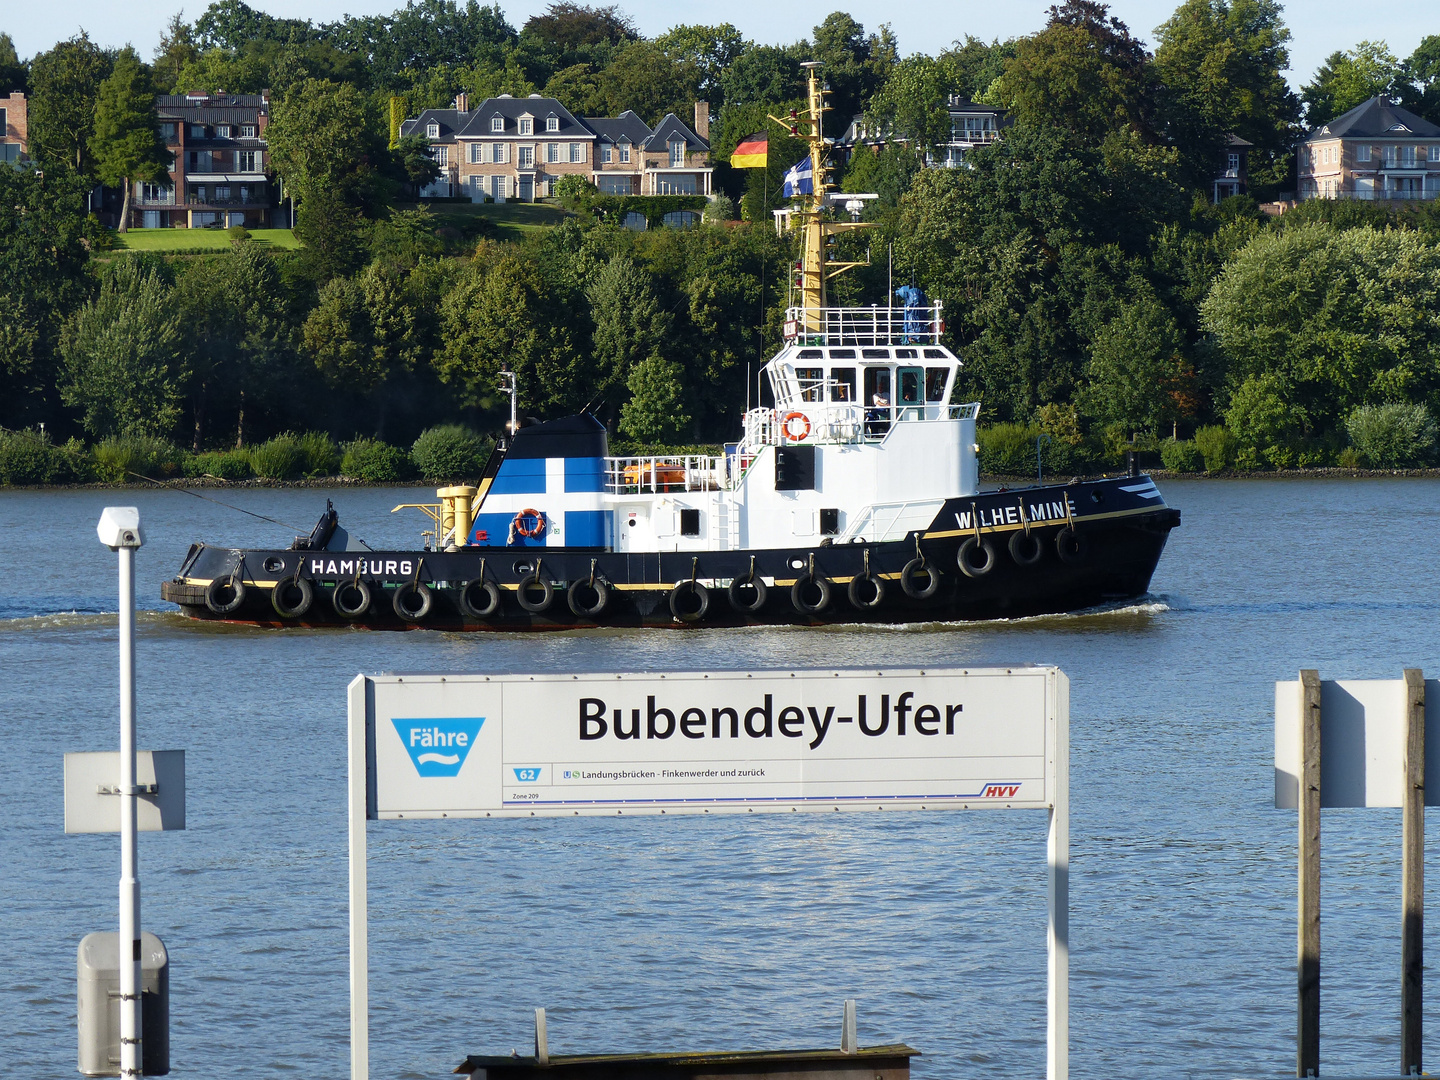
[14,129]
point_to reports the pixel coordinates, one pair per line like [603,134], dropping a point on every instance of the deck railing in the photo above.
[686,472]
[874,325]
[835,422]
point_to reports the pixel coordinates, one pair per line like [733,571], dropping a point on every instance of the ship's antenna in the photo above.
[508,385]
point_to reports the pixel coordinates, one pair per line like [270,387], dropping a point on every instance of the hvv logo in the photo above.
[438,747]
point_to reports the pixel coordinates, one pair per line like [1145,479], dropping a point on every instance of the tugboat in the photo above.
[854,499]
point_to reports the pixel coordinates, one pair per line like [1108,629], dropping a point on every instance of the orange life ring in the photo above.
[786,429]
[533,531]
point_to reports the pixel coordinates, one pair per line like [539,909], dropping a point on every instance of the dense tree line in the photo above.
[1091,289]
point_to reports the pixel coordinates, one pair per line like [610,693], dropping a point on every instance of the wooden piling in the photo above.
[1412,879]
[1307,1043]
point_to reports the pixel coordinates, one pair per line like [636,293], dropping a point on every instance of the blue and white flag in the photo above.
[800,180]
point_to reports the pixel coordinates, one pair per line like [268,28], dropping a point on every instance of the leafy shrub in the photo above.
[1217,446]
[1008,449]
[450,452]
[721,208]
[120,459]
[238,233]
[29,457]
[1392,436]
[1181,455]
[374,461]
[279,458]
[322,456]
[226,464]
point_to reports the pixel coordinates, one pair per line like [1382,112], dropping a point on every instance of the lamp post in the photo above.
[119,530]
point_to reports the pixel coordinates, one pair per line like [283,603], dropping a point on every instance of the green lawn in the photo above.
[198,239]
[512,220]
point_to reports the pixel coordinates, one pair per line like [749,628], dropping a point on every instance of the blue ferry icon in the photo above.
[528,775]
[438,746]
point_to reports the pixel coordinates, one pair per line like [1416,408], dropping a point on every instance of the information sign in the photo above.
[482,746]
[485,746]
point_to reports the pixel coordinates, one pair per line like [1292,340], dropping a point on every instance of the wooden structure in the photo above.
[1387,722]
[866,1063]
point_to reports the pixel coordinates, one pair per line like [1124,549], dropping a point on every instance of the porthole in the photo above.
[274,564]
[524,567]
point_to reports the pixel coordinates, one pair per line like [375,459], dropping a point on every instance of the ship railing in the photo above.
[838,422]
[862,326]
[887,521]
[670,473]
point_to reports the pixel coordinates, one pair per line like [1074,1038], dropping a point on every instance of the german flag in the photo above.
[752,152]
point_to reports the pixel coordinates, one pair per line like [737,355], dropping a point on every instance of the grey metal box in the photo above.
[92,781]
[98,1013]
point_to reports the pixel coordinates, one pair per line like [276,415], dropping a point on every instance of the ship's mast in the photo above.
[815,268]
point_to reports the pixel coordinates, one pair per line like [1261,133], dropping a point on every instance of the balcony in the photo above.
[1382,195]
[865,326]
[233,203]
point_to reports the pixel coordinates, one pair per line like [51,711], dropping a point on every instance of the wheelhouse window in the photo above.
[935,380]
[812,383]
[842,384]
[911,385]
[877,386]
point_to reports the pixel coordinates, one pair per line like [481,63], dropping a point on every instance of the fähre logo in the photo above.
[438,747]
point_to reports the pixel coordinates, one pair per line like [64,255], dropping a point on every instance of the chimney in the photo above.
[702,120]
[462,102]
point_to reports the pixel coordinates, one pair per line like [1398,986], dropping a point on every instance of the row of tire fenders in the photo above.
[689,600]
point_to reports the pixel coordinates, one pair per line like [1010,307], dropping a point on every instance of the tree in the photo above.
[711,50]
[1084,73]
[1422,78]
[578,87]
[642,78]
[232,24]
[237,337]
[763,75]
[177,49]
[1348,79]
[856,65]
[12,71]
[1313,321]
[333,235]
[1221,65]
[414,159]
[912,104]
[64,85]
[656,409]
[321,141]
[630,324]
[44,254]
[565,25]
[1138,375]
[127,145]
[123,366]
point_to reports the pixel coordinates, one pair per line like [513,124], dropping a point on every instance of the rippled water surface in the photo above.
[722,932]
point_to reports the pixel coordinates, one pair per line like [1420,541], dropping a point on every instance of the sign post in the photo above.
[119,530]
[493,746]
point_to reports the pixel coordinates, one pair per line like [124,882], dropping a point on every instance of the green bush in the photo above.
[226,464]
[1217,446]
[721,208]
[279,458]
[450,452]
[1392,436]
[238,233]
[122,459]
[322,456]
[374,462]
[29,457]
[1181,456]
[1008,449]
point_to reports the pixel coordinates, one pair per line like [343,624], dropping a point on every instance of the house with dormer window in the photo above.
[1376,151]
[677,157]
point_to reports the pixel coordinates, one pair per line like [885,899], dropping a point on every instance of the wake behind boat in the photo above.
[854,499]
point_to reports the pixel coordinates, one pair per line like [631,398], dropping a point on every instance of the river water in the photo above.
[722,932]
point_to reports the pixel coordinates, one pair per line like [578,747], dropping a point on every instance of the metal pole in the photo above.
[1412,879]
[1057,1010]
[359,900]
[129,943]
[1307,1036]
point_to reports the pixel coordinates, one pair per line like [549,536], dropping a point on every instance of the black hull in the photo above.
[1119,546]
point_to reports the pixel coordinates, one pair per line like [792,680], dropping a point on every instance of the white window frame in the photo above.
[499,153]
[432,130]
[1435,152]
[1362,152]
[246,161]
[1407,155]
[441,154]
[624,151]
[577,153]
[499,187]
[497,123]
[247,131]
[476,153]
[606,151]
[552,153]
[677,153]
[1392,156]
[525,156]
[527,125]
[552,123]
[222,131]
